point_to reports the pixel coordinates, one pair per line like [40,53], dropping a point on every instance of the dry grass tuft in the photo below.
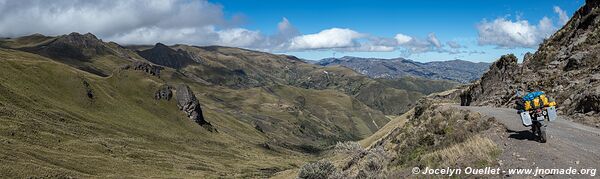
[480,150]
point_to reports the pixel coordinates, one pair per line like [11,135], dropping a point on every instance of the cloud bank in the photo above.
[126,21]
[199,22]
[506,33]
[196,22]
[329,38]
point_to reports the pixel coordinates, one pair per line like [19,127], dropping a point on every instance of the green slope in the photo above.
[51,127]
[420,85]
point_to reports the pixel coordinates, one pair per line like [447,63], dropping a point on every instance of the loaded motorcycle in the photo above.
[537,120]
[535,111]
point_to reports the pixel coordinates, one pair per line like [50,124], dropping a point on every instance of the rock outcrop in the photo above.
[88,90]
[187,102]
[497,87]
[148,68]
[566,66]
[153,70]
[164,93]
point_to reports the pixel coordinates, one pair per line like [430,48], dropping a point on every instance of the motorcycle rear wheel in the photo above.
[542,133]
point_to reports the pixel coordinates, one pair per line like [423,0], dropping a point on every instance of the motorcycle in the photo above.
[537,120]
[539,127]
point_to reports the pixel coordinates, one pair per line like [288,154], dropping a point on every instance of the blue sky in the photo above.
[449,20]
[310,29]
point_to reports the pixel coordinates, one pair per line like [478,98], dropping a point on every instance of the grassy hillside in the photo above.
[51,127]
[421,85]
[432,135]
[61,121]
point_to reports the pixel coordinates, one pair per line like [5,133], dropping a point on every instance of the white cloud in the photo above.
[562,15]
[194,22]
[506,33]
[378,48]
[329,38]
[104,18]
[545,28]
[431,38]
[368,47]
[239,37]
[454,45]
[151,35]
[402,39]
[411,45]
[418,46]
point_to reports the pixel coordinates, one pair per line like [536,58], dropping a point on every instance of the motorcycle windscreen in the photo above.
[552,113]
[526,118]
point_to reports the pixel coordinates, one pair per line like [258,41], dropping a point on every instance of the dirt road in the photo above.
[569,145]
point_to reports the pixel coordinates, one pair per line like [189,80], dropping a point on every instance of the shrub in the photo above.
[317,170]
[354,151]
[375,164]
[344,174]
[376,159]
[348,147]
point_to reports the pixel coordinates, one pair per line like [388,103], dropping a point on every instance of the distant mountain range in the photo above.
[454,70]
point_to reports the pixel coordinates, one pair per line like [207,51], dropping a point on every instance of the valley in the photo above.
[98,105]
[203,97]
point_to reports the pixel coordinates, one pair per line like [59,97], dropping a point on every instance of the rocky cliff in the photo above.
[566,66]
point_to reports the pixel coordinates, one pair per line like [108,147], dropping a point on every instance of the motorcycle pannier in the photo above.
[551,113]
[526,118]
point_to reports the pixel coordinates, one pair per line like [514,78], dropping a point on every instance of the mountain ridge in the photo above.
[454,70]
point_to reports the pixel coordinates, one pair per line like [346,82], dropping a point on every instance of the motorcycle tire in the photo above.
[542,134]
